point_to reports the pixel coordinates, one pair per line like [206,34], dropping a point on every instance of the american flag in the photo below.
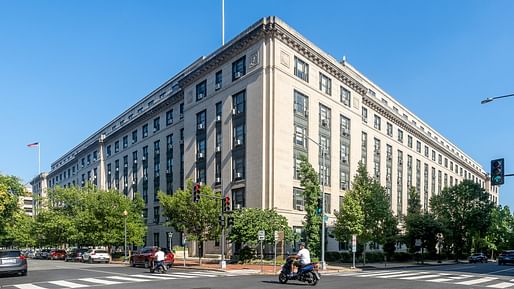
[33,145]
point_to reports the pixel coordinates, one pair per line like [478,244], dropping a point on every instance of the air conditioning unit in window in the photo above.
[144,158]
[346,131]
[201,155]
[117,169]
[306,113]
[218,117]
[108,173]
[344,186]
[135,161]
[238,142]
[218,149]
[324,122]
[400,162]
[157,151]
[238,74]
[218,180]
[238,176]
[234,111]
[201,126]
[125,165]
[344,159]
[217,86]
[170,146]
[300,207]
[181,141]
[200,95]
[377,153]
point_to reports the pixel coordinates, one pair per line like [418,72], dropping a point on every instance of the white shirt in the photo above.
[159,255]
[304,256]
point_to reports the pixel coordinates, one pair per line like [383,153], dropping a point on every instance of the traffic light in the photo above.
[226,204]
[230,221]
[222,220]
[319,207]
[196,193]
[497,172]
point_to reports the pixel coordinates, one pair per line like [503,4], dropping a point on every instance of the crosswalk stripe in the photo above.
[123,278]
[28,286]
[476,281]
[183,275]
[162,277]
[501,285]
[196,274]
[460,277]
[420,277]
[439,280]
[68,284]
[100,281]
[401,275]
[381,274]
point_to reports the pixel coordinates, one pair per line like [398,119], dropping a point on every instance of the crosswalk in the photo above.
[456,278]
[120,279]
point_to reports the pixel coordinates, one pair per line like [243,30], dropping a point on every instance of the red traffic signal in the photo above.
[497,172]
[196,193]
[226,205]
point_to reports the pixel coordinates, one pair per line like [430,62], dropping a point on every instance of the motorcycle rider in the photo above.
[303,257]
[159,258]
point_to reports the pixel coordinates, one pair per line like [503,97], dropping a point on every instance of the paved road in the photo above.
[57,274]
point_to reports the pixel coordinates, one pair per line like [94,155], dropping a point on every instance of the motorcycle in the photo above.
[307,273]
[161,268]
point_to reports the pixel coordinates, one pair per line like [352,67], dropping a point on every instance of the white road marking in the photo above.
[420,277]
[149,276]
[460,277]
[401,275]
[199,274]
[510,269]
[28,286]
[501,285]
[68,284]
[100,281]
[439,280]
[381,274]
[476,281]
[122,278]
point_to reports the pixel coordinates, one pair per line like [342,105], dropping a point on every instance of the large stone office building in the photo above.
[239,119]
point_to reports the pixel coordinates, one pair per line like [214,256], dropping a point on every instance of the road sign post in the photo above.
[261,235]
[275,239]
[354,248]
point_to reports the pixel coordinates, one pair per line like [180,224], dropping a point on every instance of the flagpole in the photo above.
[222,22]
[39,158]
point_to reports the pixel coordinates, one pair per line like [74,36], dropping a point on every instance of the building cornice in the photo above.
[366,100]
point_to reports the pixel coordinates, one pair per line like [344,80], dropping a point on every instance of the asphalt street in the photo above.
[57,274]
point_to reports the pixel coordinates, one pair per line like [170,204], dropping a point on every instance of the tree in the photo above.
[309,180]
[199,220]
[10,189]
[19,232]
[349,219]
[500,235]
[465,210]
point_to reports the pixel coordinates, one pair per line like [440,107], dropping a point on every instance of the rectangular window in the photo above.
[239,169]
[156,218]
[418,146]
[238,68]
[125,142]
[201,121]
[345,96]
[301,69]
[181,110]
[364,151]
[300,104]
[389,129]
[328,199]
[433,155]
[364,114]
[427,151]
[239,135]
[324,116]
[218,111]
[238,101]
[400,135]
[325,84]
[145,130]
[298,200]
[345,126]
[169,117]
[116,146]
[300,136]
[134,137]
[218,81]
[108,150]
[156,124]
[201,90]
[409,141]
[377,122]
[238,199]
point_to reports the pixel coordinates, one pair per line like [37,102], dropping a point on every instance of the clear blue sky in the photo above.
[69,67]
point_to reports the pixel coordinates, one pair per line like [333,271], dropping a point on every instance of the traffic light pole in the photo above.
[323,155]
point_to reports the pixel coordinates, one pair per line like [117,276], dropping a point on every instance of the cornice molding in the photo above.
[366,100]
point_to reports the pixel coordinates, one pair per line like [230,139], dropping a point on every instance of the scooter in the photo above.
[161,268]
[307,273]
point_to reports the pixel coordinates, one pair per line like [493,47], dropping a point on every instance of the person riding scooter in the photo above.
[159,259]
[302,258]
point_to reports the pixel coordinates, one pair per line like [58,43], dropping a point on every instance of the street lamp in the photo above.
[125,214]
[489,99]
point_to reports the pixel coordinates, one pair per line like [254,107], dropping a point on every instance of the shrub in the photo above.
[246,255]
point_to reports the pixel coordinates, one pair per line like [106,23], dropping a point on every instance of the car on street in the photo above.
[57,254]
[506,257]
[75,255]
[45,254]
[146,255]
[13,262]
[477,258]
[96,256]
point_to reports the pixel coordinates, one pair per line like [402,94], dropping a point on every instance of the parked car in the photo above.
[145,256]
[477,257]
[57,254]
[96,255]
[30,254]
[75,255]
[45,254]
[13,262]
[506,257]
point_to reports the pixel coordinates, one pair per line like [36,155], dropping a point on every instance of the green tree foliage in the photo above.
[350,218]
[200,220]
[90,217]
[309,180]
[420,225]
[248,221]
[19,232]
[500,234]
[11,189]
[465,211]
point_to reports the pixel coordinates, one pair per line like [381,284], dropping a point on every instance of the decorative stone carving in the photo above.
[356,102]
[254,59]
[284,58]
